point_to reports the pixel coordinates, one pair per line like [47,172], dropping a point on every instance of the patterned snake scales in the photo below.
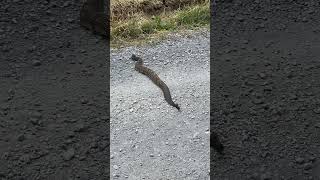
[155,79]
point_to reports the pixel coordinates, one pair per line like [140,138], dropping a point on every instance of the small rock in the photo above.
[69,154]
[5,107]
[84,101]
[312,159]
[307,166]
[304,19]
[258,101]
[240,19]
[262,75]
[34,121]
[21,137]
[25,158]
[245,41]
[262,25]
[36,63]
[80,128]
[299,160]
[116,175]
[317,110]
[93,145]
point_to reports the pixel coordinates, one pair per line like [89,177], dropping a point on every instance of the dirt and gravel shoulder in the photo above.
[149,138]
[54,109]
[265,89]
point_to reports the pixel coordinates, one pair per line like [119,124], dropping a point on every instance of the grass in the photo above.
[140,27]
[196,16]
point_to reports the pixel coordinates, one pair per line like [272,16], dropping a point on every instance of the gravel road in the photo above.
[54,120]
[265,89]
[149,138]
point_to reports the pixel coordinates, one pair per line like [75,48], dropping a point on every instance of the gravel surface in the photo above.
[149,138]
[265,89]
[53,108]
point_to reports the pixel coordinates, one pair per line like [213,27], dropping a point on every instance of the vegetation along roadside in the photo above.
[147,21]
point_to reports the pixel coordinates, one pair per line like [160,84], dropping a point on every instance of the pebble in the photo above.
[299,160]
[69,154]
[317,110]
[307,166]
[21,137]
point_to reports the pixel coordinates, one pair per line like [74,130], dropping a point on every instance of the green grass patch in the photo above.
[135,28]
[196,16]
[140,27]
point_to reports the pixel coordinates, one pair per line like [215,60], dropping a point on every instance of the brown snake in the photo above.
[155,79]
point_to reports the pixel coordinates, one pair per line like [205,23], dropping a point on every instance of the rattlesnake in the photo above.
[214,138]
[155,79]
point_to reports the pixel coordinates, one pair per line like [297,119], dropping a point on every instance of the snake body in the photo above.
[155,79]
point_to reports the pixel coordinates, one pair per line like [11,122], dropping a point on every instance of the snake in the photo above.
[155,79]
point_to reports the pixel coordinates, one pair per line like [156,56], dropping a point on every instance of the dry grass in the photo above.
[115,2]
[125,9]
[140,26]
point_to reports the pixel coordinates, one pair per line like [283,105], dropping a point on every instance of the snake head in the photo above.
[134,57]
